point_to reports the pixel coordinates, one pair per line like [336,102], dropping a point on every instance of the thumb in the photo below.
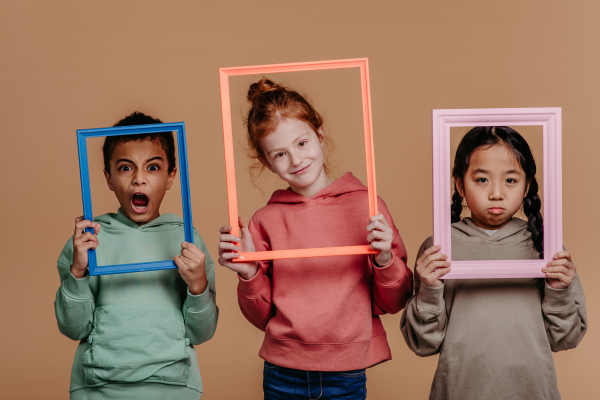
[243,228]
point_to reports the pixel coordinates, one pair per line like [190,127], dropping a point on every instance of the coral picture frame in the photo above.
[82,135]
[550,119]
[224,75]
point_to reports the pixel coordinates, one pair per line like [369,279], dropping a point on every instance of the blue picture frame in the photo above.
[82,135]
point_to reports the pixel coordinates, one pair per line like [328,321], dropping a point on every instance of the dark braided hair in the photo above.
[489,136]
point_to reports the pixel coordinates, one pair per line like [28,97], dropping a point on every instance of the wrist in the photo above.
[198,288]
[383,259]
[251,273]
[77,272]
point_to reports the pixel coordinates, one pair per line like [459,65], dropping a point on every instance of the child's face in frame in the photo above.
[494,186]
[139,176]
[294,152]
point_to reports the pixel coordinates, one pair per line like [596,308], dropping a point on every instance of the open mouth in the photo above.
[139,203]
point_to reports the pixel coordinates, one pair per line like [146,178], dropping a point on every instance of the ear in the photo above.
[459,187]
[108,180]
[171,178]
[526,189]
[321,134]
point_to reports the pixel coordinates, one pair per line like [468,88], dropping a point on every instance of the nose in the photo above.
[139,178]
[295,158]
[496,191]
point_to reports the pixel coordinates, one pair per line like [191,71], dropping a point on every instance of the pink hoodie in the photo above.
[322,313]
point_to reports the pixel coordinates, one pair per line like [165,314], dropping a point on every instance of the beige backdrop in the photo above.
[66,65]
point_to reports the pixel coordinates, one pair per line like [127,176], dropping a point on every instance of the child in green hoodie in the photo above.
[136,330]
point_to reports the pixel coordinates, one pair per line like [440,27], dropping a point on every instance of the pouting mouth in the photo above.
[139,201]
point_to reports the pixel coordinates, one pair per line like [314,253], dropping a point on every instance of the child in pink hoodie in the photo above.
[320,315]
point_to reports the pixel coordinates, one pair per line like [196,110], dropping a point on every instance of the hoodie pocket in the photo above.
[134,343]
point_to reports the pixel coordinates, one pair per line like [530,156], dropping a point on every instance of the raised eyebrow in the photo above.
[124,160]
[154,159]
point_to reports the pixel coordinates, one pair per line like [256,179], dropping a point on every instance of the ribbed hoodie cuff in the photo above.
[390,274]
[431,298]
[253,287]
[198,303]
[557,299]
[77,288]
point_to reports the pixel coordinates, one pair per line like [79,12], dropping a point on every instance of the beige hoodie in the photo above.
[495,336]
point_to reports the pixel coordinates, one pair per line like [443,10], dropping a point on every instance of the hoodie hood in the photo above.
[515,231]
[348,183]
[119,222]
[511,242]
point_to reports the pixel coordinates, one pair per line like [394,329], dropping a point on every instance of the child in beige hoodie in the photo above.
[495,336]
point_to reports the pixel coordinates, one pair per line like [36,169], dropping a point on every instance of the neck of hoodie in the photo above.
[346,184]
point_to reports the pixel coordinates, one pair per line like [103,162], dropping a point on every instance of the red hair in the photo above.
[270,104]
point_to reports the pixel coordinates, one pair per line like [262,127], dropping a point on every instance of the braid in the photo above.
[531,207]
[457,207]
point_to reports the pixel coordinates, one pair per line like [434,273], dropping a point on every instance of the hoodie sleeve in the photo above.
[564,313]
[254,295]
[74,304]
[424,320]
[392,284]
[200,312]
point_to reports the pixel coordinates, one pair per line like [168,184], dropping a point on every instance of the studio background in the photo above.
[67,65]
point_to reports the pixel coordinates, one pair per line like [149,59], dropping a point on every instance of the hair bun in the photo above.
[263,86]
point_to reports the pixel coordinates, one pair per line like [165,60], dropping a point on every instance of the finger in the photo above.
[97,228]
[440,272]
[562,254]
[435,265]
[380,225]
[560,262]
[189,254]
[432,258]
[192,248]
[229,238]
[559,277]
[229,256]
[558,270]
[382,246]
[86,246]
[78,219]
[384,236]
[228,246]
[179,262]
[81,225]
[87,237]
[380,218]
[244,228]
[426,253]
[225,229]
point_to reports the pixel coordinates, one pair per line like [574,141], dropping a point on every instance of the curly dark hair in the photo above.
[165,139]
[488,136]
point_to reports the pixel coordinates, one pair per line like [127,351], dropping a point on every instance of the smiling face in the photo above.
[494,186]
[294,152]
[139,177]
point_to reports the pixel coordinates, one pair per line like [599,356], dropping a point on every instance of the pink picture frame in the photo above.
[224,74]
[550,120]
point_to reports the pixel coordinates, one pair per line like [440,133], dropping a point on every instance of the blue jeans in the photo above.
[281,383]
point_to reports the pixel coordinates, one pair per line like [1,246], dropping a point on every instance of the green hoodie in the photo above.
[137,328]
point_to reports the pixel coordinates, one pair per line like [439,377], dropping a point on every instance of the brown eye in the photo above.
[154,168]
